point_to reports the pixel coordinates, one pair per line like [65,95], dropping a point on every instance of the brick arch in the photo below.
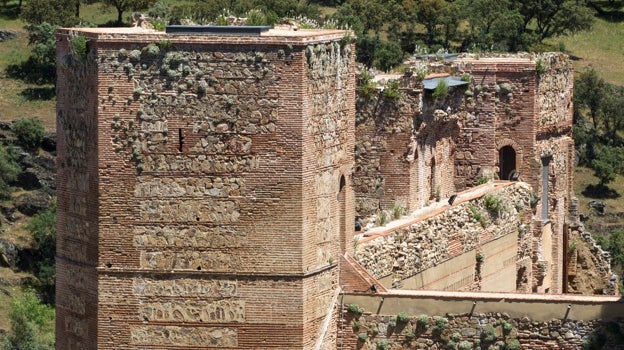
[502,143]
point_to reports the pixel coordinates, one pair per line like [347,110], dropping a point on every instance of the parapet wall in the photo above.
[406,320]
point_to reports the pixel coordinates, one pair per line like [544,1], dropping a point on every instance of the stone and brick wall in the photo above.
[210,177]
[414,255]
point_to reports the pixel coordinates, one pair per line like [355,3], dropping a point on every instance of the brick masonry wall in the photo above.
[216,181]
[77,219]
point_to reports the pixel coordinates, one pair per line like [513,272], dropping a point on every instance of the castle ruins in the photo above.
[209,179]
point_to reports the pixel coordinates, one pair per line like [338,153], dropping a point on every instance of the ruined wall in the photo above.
[555,150]
[219,196]
[384,172]
[402,258]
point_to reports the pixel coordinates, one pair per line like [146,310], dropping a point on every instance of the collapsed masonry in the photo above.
[208,182]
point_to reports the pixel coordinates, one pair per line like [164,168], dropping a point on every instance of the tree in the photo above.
[40,67]
[589,91]
[614,244]
[494,24]
[32,324]
[556,17]
[367,46]
[125,5]
[54,12]
[430,13]
[609,162]
[388,55]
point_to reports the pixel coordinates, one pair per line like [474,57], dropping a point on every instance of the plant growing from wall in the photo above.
[409,336]
[480,258]
[356,325]
[464,345]
[483,180]
[392,322]
[355,309]
[488,334]
[540,67]
[362,337]
[78,46]
[533,199]
[391,90]
[422,321]
[512,344]
[382,344]
[403,317]
[493,203]
[507,327]
[382,218]
[441,90]
[366,85]
[398,211]
[440,324]
[477,216]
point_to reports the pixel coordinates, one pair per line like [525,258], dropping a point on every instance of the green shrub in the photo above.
[29,132]
[464,345]
[43,228]
[493,203]
[513,344]
[382,344]
[32,324]
[456,337]
[441,90]
[423,321]
[8,171]
[391,90]
[409,336]
[483,180]
[355,309]
[356,325]
[440,324]
[366,85]
[362,337]
[451,344]
[403,317]
[398,211]
[507,326]
[488,334]
[382,218]
[540,67]
[392,322]
[78,46]
[477,216]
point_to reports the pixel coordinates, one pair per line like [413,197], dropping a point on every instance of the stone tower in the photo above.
[204,187]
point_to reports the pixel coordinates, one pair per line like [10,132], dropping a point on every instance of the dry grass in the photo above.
[584,177]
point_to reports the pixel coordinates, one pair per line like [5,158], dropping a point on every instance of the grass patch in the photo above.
[601,48]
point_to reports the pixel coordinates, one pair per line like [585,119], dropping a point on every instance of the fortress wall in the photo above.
[402,257]
[498,319]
